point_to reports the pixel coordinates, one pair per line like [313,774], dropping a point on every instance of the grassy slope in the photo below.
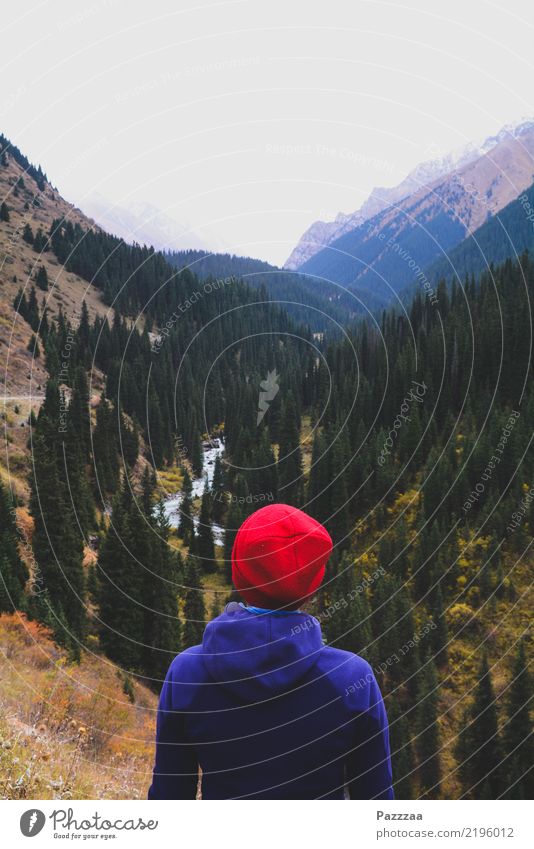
[68,731]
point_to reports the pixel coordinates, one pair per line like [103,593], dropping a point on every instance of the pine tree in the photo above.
[40,242]
[27,234]
[42,278]
[186,526]
[129,441]
[76,451]
[83,337]
[162,627]
[196,452]
[20,304]
[404,672]
[214,609]
[218,492]
[319,480]
[204,545]
[263,477]
[57,543]
[290,481]
[32,313]
[33,346]
[13,572]
[156,429]
[478,750]
[338,515]
[234,519]
[401,750]
[194,608]
[348,627]
[440,634]
[518,736]
[121,613]
[80,415]
[4,212]
[427,731]
[106,461]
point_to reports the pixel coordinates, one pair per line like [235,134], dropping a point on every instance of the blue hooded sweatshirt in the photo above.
[267,711]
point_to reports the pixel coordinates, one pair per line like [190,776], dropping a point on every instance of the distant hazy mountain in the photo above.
[141,222]
[322,233]
[380,254]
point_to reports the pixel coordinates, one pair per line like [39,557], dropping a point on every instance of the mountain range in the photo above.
[440,204]
[430,225]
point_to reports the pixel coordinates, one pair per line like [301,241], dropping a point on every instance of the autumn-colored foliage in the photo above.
[68,730]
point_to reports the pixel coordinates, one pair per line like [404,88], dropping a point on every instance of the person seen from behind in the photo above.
[263,707]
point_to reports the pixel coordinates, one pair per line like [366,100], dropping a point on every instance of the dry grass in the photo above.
[68,731]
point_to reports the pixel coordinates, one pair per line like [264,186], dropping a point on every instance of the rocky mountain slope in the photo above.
[322,233]
[435,208]
[29,203]
[385,253]
[506,235]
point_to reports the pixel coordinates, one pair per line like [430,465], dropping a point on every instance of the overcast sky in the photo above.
[247,121]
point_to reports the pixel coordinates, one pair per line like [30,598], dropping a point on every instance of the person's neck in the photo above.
[261,611]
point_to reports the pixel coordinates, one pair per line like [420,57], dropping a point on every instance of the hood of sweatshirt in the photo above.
[259,655]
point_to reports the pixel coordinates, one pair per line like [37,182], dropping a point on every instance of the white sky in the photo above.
[247,120]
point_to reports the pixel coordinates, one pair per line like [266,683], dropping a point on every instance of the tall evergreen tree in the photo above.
[348,627]
[121,612]
[290,481]
[440,634]
[194,607]
[479,750]
[162,627]
[518,736]
[13,572]
[401,749]
[428,736]
[57,542]
[218,491]
[205,546]
[106,462]
[32,312]
[42,278]
[186,526]
[319,480]
[234,519]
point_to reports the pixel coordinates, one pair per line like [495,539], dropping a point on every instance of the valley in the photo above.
[128,467]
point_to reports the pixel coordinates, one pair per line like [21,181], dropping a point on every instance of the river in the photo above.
[171,504]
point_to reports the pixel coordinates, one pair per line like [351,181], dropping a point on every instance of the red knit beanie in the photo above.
[279,557]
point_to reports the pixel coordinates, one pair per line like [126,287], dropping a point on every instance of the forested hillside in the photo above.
[315,301]
[410,438]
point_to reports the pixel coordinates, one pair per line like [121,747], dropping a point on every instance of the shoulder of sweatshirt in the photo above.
[188,667]
[187,673]
[352,677]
